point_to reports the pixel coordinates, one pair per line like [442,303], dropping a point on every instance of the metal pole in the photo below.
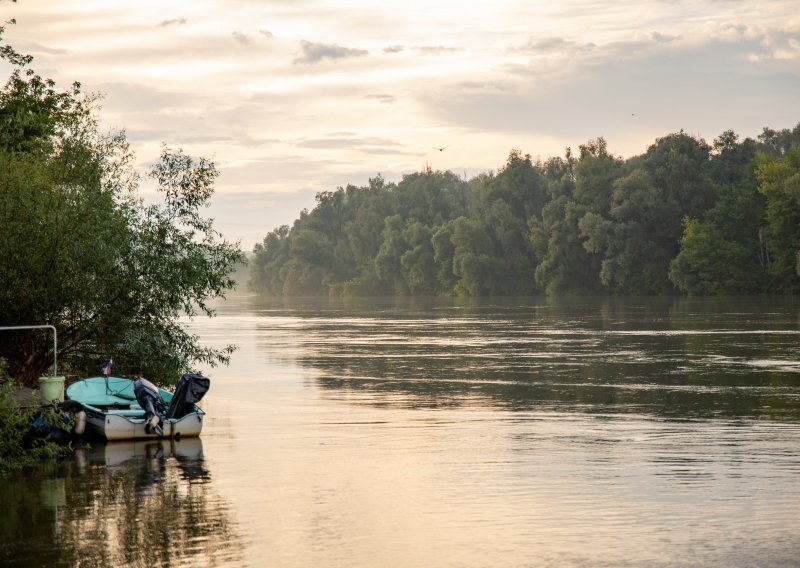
[55,340]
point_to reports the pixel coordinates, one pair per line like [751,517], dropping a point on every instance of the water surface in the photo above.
[531,432]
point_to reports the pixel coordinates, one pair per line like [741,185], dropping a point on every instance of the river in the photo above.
[524,432]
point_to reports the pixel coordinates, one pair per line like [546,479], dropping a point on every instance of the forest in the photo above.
[685,217]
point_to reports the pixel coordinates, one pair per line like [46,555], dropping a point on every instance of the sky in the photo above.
[294,97]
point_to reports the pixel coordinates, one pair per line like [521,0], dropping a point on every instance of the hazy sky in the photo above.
[292,97]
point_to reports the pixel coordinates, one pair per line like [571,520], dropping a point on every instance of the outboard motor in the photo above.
[191,388]
[149,398]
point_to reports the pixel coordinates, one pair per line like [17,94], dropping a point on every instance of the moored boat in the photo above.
[118,408]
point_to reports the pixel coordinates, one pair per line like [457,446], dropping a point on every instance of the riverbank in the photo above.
[23,442]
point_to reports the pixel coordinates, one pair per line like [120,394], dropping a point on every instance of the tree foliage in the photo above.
[779,182]
[684,217]
[81,251]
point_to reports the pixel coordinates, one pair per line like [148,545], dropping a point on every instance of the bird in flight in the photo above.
[440,149]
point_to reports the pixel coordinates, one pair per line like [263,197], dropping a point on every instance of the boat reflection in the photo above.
[146,503]
[149,458]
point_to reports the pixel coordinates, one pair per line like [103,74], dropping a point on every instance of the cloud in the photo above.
[393,49]
[35,48]
[782,44]
[551,45]
[314,52]
[287,173]
[138,97]
[381,98]
[244,39]
[668,86]
[437,49]
[241,38]
[661,38]
[172,22]
[247,216]
[348,140]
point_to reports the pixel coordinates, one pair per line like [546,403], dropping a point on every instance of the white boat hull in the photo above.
[115,427]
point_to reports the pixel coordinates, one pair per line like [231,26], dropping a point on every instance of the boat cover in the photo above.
[191,388]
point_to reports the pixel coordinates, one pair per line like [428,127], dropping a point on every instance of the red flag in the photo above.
[107,371]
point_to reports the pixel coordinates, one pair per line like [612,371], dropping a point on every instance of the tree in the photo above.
[710,263]
[640,235]
[779,182]
[633,260]
[269,256]
[432,198]
[508,201]
[388,260]
[723,250]
[311,262]
[519,185]
[79,250]
[417,263]
[595,172]
[578,188]
[475,259]
[443,252]
[563,262]
[779,142]
[370,206]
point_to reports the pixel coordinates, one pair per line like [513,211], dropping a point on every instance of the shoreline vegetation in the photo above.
[81,251]
[685,217]
[20,447]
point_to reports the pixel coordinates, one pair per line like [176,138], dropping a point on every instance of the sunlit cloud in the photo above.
[433,49]
[383,98]
[351,141]
[172,22]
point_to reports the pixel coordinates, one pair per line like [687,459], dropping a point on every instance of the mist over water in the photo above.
[525,432]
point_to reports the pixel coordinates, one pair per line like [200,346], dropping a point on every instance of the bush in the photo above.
[18,447]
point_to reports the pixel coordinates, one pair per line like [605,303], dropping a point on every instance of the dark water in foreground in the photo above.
[586,432]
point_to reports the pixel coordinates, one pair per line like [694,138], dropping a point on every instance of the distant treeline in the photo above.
[684,217]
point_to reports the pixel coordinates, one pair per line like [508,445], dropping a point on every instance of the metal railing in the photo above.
[55,339]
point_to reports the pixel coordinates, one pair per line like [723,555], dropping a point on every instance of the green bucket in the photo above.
[51,389]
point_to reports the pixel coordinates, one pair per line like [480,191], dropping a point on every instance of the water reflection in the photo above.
[133,504]
[674,357]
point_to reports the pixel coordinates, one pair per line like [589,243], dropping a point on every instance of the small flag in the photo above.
[107,370]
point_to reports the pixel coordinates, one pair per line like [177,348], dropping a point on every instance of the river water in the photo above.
[531,432]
